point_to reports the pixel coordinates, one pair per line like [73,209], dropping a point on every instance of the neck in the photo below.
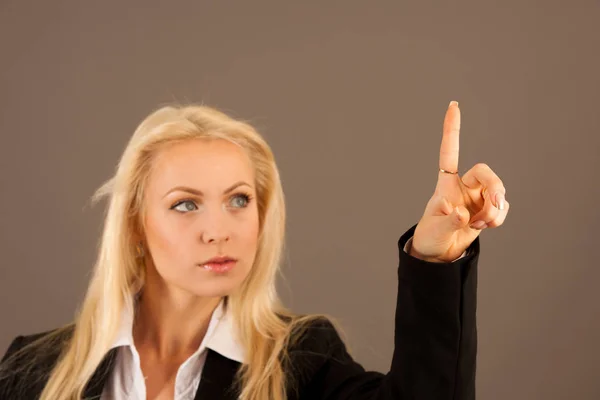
[171,323]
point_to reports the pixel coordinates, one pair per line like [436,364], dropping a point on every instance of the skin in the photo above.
[184,229]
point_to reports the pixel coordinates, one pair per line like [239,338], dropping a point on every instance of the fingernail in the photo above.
[453,103]
[479,225]
[500,201]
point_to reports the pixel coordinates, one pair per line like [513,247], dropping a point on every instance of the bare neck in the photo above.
[171,323]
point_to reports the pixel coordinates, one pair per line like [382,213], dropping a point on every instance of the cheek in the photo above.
[167,240]
[247,236]
[174,242]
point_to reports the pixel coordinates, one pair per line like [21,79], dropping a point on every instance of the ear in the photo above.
[137,232]
[138,242]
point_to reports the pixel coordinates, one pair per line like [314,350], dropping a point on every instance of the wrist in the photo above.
[416,254]
[420,256]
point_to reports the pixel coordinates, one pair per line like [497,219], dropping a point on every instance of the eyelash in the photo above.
[247,197]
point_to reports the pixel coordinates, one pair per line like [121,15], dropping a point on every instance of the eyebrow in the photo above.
[199,193]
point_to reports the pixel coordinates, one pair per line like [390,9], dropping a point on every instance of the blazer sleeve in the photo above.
[435,338]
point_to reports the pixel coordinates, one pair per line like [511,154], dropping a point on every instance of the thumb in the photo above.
[458,219]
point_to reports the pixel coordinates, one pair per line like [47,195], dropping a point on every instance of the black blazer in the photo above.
[435,344]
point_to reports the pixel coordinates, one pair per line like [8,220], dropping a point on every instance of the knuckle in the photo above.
[494,224]
[498,221]
[482,167]
[500,187]
[490,214]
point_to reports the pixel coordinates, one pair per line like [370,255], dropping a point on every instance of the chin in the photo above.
[223,286]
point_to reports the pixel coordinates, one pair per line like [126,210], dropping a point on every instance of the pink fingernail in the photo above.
[500,201]
[453,102]
[479,225]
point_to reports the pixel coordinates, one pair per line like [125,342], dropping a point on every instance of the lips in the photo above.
[219,265]
[219,260]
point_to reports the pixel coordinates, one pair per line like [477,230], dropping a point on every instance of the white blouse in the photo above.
[127,382]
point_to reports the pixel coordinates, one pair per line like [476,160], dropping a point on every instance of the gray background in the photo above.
[351,95]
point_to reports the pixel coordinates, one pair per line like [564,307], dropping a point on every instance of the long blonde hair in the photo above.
[265,327]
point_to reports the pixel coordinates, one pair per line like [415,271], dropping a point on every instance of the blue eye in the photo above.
[184,206]
[237,201]
[245,200]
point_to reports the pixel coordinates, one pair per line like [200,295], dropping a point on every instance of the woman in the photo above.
[182,302]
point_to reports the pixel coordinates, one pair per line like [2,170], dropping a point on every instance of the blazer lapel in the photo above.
[217,380]
[93,389]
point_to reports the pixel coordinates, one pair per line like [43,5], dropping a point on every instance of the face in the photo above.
[200,203]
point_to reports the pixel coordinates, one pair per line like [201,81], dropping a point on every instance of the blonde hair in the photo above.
[266,328]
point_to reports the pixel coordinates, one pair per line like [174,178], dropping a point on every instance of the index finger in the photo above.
[450,136]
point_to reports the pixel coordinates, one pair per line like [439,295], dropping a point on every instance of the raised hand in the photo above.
[460,208]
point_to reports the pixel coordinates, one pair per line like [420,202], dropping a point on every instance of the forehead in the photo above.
[202,164]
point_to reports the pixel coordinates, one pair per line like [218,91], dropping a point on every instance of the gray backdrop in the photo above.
[351,96]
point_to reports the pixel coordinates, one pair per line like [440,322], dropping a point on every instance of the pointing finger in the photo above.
[450,139]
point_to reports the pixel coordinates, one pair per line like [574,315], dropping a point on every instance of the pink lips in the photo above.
[219,264]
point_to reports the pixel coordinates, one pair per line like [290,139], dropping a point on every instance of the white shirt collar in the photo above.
[220,336]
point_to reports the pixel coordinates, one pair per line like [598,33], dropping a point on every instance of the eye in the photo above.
[241,200]
[184,206]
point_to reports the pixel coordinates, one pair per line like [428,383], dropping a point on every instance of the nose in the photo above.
[214,227]
[214,237]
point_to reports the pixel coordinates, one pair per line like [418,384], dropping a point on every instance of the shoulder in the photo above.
[49,340]
[318,362]
[30,358]
[315,333]
[313,343]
